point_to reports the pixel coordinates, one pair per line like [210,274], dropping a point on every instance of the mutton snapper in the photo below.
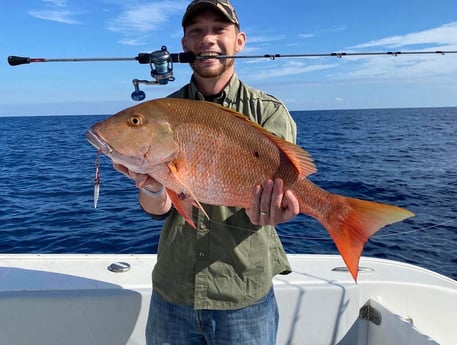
[205,153]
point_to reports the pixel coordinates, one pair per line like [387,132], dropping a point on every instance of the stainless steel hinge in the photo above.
[369,313]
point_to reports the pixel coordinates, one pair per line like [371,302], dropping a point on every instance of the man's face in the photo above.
[209,34]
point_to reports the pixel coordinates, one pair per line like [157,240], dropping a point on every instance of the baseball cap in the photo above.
[223,6]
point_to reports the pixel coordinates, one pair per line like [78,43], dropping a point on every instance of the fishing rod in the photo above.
[338,55]
[161,62]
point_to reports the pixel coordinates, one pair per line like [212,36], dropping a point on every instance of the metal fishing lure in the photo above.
[97,179]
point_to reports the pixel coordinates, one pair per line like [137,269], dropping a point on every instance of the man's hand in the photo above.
[157,204]
[272,205]
[141,180]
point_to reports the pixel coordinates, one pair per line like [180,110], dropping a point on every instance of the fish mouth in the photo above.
[131,162]
[99,143]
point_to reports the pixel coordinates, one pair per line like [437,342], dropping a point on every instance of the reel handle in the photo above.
[138,95]
[18,60]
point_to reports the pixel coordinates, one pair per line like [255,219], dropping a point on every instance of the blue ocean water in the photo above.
[406,157]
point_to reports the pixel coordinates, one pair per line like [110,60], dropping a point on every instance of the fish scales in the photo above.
[205,153]
[210,157]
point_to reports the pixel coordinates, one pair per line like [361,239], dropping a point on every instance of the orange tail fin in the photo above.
[351,229]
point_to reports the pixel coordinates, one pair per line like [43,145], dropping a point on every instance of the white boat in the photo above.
[75,299]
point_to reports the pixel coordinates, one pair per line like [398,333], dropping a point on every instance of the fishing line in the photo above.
[416,230]
[401,233]
[313,238]
[228,226]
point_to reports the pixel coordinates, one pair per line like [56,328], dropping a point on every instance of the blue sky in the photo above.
[124,28]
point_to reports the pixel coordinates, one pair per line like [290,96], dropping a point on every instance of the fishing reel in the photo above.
[160,62]
[161,65]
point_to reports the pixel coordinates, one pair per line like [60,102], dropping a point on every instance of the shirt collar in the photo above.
[228,94]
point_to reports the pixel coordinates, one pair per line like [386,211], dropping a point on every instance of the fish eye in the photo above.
[136,120]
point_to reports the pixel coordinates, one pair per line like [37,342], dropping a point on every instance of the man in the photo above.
[213,285]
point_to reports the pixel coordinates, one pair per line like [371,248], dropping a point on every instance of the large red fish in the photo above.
[205,153]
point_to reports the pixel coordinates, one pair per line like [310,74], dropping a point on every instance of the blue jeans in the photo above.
[175,324]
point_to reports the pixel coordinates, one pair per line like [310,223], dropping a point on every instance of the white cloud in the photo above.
[137,19]
[289,68]
[405,68]
[59,16]
[306,35]
[143,18]
[56,11]
[266,38]
[57,3]
[132,41]
[442,35]
[337,28]
[402,68]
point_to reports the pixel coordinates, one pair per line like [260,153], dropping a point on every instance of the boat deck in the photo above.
[76,299]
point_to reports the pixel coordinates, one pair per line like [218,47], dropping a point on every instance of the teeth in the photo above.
[209,54]
[206,56]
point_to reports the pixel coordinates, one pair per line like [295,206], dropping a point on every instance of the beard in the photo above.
[213,72]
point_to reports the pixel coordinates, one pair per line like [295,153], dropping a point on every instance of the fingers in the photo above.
[265,202]
[290,206]
[126,171]
[276,201]
[272,205]
[141,180]
[254,211]
[122,169]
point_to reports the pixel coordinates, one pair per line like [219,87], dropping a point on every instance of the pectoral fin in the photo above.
[182,202]
[183,206]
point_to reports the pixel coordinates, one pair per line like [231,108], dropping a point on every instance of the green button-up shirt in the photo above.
[227,262]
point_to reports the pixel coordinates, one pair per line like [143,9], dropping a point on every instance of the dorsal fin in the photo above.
[300,159]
